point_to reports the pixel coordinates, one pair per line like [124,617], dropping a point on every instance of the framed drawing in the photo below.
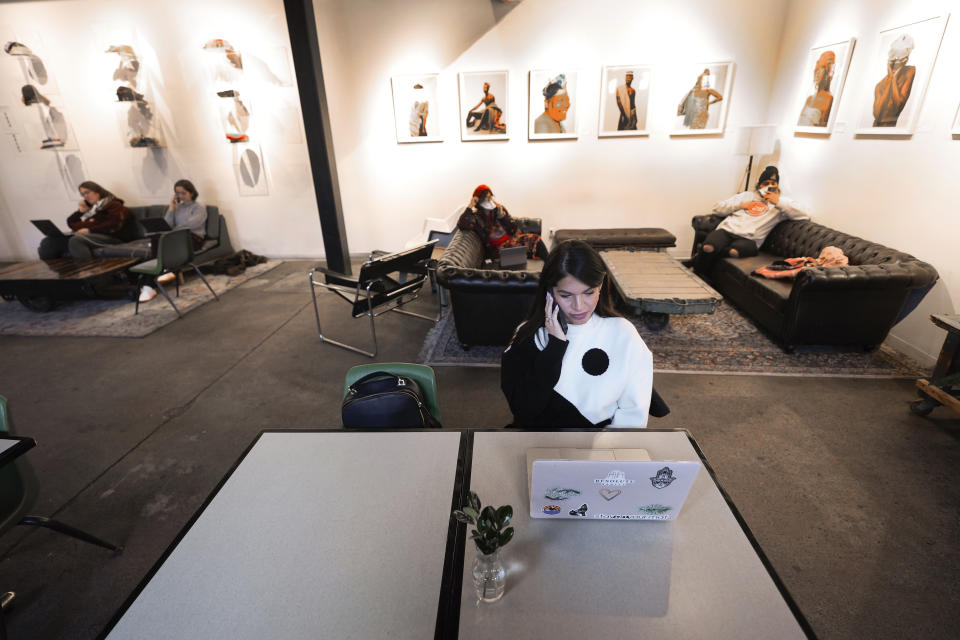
[827,69]
[553,105]
[898,77]
[703,103]
[484,105]
[415,108]
[624,95]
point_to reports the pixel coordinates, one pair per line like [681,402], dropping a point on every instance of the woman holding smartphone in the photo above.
[184,211]
[574,362]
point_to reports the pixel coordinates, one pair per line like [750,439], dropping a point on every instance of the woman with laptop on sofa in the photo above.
[496,229]
[101,218]
[184,211]
[574,362]
[754,214]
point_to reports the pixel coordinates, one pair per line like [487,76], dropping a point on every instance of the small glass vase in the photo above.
[489,576]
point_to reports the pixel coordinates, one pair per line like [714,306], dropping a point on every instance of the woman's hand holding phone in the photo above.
[555,323]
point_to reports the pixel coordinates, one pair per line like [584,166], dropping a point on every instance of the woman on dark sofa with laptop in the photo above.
[496,229]
[184,211]
[101,218]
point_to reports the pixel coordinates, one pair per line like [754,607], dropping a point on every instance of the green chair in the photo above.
[174,252]
[18,491]
[421,373]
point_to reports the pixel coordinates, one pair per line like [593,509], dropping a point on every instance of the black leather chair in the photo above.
[852,305]
[487,304]
[385,283]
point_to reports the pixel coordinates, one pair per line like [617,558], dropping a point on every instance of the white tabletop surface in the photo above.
[6,443]
[315,535]
[695,577]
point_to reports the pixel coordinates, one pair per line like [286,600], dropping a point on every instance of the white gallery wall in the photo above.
[899,192]
[388,188]
[176,76]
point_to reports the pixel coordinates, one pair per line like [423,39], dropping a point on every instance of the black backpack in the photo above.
[384,400]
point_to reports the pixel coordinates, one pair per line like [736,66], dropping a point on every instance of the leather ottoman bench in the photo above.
[647,238]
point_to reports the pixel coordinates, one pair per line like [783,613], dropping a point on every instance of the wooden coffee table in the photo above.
[39,285]
[658,286]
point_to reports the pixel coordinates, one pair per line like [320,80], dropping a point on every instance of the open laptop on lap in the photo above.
[49,229]
[155,225]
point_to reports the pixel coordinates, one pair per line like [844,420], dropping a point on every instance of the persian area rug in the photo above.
[723,342]
[115,318]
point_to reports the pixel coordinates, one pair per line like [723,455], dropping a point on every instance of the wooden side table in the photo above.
[935,392]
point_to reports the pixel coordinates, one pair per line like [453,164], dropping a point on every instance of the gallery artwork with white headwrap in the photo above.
[897,77]
[416,110]
[553,104]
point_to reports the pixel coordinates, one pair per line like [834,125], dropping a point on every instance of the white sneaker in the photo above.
[167,277]
[147,293]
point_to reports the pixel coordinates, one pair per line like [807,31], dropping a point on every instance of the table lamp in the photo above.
[755,140]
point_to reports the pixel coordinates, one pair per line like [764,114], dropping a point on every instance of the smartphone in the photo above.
[562,319]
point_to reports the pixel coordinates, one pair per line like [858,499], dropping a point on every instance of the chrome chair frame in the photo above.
[373,293]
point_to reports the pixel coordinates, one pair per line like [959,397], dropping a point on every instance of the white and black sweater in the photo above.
[602,374]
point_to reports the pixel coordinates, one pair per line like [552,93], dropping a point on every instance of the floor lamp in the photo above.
[755,140]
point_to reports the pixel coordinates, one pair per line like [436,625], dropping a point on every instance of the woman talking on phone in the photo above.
[574,362]
[184,212]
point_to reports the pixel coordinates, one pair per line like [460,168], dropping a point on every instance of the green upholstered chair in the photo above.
[18,490]
[421,373]
[174,253]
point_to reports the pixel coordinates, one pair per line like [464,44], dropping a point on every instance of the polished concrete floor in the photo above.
[854,500]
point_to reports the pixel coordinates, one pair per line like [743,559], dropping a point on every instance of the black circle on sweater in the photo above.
[595,361]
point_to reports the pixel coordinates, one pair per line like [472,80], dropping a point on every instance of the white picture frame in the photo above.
[819,102]
[490,118]
[612,122]
[695,114]
[882,112]
[559,120]
[416,109]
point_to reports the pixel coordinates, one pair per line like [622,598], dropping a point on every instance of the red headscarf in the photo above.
[480,190]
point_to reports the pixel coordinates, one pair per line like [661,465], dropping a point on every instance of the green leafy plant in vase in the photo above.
[490,535]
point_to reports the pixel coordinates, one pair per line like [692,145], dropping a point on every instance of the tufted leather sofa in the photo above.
[487,304]
[852,305]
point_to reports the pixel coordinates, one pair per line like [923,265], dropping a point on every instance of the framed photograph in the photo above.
[484,105]
[415,108]
[624,95]
[823,79]
[553,105]
[702,107]
[898,76]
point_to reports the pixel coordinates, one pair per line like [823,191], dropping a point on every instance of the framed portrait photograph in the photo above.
[702,106]
[823,78]
[553,105]
[624,95]
[415,108]
[898,75]
[484,105]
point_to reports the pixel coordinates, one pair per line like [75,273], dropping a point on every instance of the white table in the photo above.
[332,534]
[13,446]
[699,576]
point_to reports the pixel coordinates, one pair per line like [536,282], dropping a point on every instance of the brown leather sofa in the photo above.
[487,304]
[852,305]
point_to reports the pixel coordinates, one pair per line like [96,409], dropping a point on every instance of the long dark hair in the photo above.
[97,189]
[571,258]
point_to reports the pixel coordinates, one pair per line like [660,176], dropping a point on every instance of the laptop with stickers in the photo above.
[606,484]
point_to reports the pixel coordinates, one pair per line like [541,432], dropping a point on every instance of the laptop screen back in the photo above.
[610,489]
[513,257]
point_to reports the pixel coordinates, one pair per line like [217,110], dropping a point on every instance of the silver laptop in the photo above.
[513,257]
[606,484]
